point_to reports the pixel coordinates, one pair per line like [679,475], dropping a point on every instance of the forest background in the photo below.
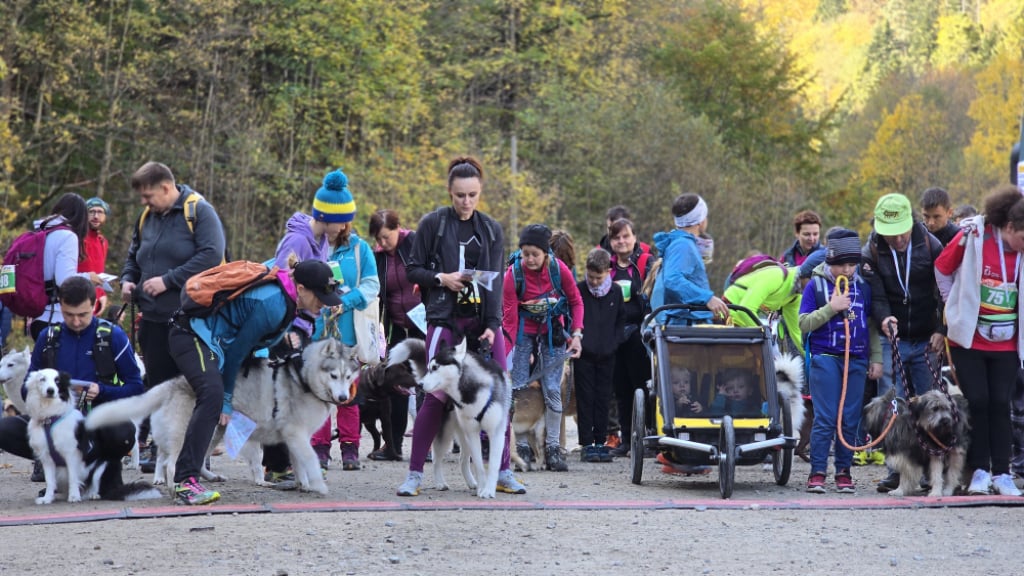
[763,107]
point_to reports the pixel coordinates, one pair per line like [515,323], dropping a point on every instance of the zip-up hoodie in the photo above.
[168,249]
[682,278]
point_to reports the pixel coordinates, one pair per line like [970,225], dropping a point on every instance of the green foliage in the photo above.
[749,87]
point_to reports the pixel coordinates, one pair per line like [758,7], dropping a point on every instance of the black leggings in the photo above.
[987,380]
[593,381]
[200,366]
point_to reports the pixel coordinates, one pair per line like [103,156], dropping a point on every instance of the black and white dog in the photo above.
[481,396]
[86,465]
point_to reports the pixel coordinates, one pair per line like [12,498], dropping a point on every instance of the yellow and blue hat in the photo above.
[333,202]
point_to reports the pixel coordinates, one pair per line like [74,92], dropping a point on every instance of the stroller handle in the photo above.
[697,308]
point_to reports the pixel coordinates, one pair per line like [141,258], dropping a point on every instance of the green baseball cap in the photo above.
[893,215]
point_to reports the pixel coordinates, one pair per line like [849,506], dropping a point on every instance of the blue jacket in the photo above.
[682,278]
[75,358]
[358,290]
[253,320]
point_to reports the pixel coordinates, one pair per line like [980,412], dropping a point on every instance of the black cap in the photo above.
[537,235]
[316,276]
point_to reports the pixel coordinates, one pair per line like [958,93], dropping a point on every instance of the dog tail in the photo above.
[138,490]
[789,380]
[130,409]
[413,351]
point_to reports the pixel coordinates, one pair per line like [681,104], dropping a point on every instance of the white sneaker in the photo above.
[411,486]
[1003,485]
[981,483]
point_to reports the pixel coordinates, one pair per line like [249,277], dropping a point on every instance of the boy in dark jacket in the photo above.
[603,315]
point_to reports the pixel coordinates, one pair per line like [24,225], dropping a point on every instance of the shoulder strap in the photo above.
[641,264]
[555,273]
[189,210]
[49,356]
[441,225]
[103,354]
[820,298]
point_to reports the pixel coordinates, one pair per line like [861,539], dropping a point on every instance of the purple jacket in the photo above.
[299,240]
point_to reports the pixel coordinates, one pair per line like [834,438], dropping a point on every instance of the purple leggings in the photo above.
[429,416]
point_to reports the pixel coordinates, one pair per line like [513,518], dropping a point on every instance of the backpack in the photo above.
[22,287]
[207,292]
[442,223]
[559,311]
[189,212]
[102,352]
[752,264]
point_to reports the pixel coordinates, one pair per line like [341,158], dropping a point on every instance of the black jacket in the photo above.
[436,249]
[918,313]
[603,322]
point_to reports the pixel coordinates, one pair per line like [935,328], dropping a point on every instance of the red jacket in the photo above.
[96,247]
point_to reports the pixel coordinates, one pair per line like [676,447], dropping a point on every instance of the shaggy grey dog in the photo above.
[930,433]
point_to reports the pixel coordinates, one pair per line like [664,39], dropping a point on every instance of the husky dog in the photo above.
[376,385]
[13,368]
[789,379]
[481,396]
[930,433]
[288,402]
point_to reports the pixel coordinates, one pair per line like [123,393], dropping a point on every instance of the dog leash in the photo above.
[843,287]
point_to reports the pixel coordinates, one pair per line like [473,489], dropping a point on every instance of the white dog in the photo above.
[56,435]
[13,368]
[288,403]
[482,398]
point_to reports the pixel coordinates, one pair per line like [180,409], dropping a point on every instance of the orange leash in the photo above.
[843,286]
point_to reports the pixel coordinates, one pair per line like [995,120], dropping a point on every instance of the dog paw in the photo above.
[74,498]
[44,500]
[217,477]
[442,487]
[159,482]
[486,493]
[896,493]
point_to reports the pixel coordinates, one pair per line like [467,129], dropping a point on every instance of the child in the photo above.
[937,211]
[736,394]
[538,292]
[682,391]
[823,312]
[603,312]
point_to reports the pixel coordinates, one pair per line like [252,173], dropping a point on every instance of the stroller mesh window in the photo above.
[713,380]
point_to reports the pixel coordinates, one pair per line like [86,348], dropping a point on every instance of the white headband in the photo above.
[693,217]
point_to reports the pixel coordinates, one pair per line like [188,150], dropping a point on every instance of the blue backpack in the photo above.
[559,311]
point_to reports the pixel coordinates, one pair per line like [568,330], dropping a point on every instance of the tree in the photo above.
[747,85]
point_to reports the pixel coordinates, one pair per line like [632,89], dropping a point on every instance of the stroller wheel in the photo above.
[636,440]
[726,457]
[782,463]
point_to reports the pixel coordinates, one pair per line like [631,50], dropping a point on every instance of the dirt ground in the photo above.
[589,520]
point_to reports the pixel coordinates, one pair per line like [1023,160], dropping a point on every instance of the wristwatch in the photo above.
[437,279]
[578,334]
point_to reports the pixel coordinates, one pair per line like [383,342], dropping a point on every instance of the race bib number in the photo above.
[999,296]
[7,279]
